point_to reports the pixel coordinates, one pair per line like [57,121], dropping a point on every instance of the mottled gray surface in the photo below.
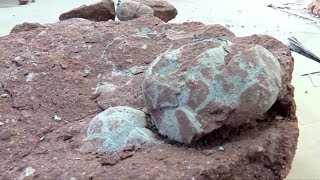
[196,88]
[162,9]
[119,127]
[131,9]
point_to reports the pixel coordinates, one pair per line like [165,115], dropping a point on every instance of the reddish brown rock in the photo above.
[75,69]
[101,11]
[26,27]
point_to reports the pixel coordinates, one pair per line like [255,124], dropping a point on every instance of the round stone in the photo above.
[128,10]
[119,127]
[194,89]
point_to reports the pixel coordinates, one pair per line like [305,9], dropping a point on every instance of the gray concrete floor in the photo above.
[244,17]
[8,3]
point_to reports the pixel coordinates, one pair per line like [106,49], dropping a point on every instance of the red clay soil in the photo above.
[52,72]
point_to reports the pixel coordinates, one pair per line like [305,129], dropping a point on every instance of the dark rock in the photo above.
[65,137]
[101,11]
[5,134]
[23,2]
[162,9]
[26,27]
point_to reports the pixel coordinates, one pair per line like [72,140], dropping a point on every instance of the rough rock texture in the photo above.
[162,9]
[119,127]
[76,69]
[129,10]
[191,94]
[314,7]
[26,27]
[101,11]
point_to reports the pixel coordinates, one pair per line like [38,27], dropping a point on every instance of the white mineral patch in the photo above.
[105,87]
[30,77]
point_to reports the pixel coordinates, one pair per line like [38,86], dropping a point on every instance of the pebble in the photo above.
[5,95]
[221,148]
[57,118]
[144,110]
[87,71]
[1,123]
[65,137]
[5,134]
[29,171]
[279,118]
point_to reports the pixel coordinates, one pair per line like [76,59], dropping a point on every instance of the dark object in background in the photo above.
[23,2]
[297,47]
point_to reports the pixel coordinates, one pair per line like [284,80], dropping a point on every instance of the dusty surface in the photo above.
[49,81]
[23,2]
